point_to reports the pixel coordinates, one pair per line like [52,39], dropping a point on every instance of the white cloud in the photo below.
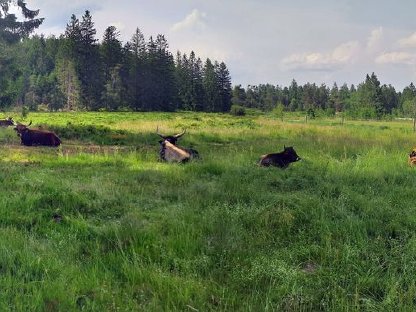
[397,58]
[345,52]
[374,41]
[194,20]
[341,55]
[408,41]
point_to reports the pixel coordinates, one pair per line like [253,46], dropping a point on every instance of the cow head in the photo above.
[170,138]
[290,153]
[21,128]
[7,122]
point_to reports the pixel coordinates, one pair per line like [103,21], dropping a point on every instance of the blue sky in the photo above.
[265,41]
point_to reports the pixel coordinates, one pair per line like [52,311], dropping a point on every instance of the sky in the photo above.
[266,41]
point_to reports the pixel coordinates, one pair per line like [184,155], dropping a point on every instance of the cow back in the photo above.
[173,153]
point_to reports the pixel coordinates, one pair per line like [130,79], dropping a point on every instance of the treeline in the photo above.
[76,71]
[369,99]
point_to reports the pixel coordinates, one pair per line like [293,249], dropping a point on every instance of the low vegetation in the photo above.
[99,224]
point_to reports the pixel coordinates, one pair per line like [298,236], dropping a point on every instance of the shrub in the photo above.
[237,110]
[278,111]
[25,111]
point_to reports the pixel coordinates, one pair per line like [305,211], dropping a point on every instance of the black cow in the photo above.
[282,159]
[7,122]
[31,137]
[170,152]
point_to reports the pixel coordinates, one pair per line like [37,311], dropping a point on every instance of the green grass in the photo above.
[100,224]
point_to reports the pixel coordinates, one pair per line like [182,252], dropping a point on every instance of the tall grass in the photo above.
[100,224]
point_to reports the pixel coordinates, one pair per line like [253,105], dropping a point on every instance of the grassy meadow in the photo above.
[100,224]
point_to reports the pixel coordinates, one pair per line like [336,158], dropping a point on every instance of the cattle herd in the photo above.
[169,150]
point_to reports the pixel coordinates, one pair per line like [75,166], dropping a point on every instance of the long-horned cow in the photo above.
[7,122]
[31,137]
[170,152]
[282,159]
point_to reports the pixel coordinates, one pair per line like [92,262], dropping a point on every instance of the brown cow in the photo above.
[7,122]
[31,137]
[282,159]
[412,157]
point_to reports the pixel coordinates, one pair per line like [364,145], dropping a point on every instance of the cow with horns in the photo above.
[282,159]
[170,152]
[7,122]
[31,137]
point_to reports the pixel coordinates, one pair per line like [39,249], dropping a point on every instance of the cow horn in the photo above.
[177,136]
[159,134]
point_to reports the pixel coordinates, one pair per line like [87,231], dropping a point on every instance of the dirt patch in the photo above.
[309,267]
[95,149]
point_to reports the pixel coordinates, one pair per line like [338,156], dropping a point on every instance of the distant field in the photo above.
[100,224]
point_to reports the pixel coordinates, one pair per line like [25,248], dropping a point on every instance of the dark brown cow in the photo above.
[31,137]
[282,159]
[7,122]
[170,152]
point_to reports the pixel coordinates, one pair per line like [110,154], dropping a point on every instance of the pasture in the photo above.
[99,224]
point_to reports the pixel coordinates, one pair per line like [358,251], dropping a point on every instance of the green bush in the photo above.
[237,110]
[278,111]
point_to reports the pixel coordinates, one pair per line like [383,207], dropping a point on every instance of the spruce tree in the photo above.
[212,101]
[135,51]
[11,29]
[88,65]
[111,51]
[224,85]
[160,84]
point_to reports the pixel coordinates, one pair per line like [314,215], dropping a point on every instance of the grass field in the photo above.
[100,224]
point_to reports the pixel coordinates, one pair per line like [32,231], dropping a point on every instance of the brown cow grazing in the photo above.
[282,159]
[172,153]
[31,137]
[7,122]
[412,157]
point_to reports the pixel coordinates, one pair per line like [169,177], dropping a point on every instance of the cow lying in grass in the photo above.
[31,137]
[170,152]
[282,159]
[412,157]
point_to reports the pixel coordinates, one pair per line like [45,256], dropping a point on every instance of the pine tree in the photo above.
[111,52]
[212,101]
[69,83]
[160,89]
[224,85]
[189,81]
[135,62]
[113,95]
[12,31]
[368,100]
[88,64]
[239,96]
